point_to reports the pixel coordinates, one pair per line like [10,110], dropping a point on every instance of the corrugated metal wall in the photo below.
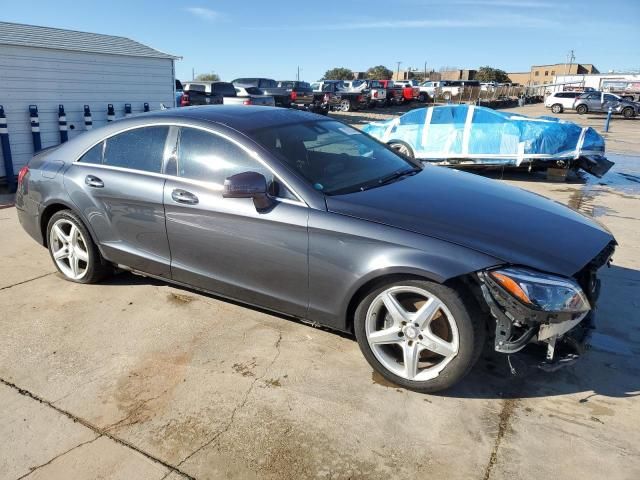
[47,78]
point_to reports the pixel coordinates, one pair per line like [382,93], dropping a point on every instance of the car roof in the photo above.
[238,117]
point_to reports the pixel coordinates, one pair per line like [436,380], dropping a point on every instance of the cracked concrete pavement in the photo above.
[134,378]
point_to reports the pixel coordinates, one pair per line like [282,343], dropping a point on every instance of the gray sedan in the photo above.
[303,215]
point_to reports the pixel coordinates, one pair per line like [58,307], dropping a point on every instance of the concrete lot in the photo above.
[134,378]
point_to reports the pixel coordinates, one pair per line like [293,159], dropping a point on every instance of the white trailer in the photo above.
[49,67]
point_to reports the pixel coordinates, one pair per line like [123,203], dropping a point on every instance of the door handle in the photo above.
[182,196]
[93,181]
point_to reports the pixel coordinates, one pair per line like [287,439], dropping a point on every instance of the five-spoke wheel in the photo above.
[72,249]
[419,334]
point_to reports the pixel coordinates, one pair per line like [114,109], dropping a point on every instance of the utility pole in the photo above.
[398,71]
[193,73]
[570,58]
[425,71]
[298,74]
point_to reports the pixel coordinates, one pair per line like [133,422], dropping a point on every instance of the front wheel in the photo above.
[423,97]
[72,250]
[581,109]
[556,108]
[419,334]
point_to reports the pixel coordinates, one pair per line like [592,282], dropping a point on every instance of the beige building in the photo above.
[545,74]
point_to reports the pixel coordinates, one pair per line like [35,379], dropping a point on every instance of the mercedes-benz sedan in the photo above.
[306,216]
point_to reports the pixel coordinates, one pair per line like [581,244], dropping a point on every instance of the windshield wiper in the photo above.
[397,175]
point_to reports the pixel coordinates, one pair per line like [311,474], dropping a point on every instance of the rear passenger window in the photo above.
[94,155]
[139,149]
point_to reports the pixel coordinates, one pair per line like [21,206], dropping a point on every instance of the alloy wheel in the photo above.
[402,148]
[69,249]
[411,332]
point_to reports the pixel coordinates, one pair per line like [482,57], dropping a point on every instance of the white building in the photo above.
[616,82]
[48,67]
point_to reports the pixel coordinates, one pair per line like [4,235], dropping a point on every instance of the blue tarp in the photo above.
[469,134]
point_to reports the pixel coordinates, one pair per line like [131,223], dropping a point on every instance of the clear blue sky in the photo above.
[246,38]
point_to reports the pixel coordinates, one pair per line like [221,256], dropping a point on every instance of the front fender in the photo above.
[347,254]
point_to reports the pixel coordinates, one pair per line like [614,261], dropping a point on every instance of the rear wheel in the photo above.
[581,109]
[423,97]
[556,108]
[418,334]
[72,250]
[346,105]
[628,112]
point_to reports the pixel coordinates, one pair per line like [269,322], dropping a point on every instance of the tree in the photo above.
[379,72]
[338,73]
[208,77]
[489,74]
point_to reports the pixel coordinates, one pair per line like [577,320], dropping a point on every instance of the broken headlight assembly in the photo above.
[542,291]
[531,306]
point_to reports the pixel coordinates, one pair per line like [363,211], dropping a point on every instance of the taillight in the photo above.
[185,100]
[21,174]
[359,98]
[247,101]
[294,95]
[375,94]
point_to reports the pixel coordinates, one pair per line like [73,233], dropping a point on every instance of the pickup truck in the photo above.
[269,87]
[409,91]
[217,93]
[376,94]
[199,93]
[336,97]
[303,96]
[394,94]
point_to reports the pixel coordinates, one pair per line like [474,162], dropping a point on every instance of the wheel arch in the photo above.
[51,209]
[403,142]
[463,282]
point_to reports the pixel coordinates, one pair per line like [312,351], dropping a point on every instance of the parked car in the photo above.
[559,101]
[303,96]
[269,87]
[409,91]
[303,215]
[430,88]
[394,93]
[252,96]
[601,102]
[336,96]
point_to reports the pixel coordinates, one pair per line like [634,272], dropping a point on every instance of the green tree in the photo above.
[208,77]
[489,74]
[338,73]
[379,72]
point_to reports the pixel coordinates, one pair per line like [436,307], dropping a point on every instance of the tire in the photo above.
[581,109]
[556,108]
[78,257]
[446,96]
[628,112]
[346,106]
[387,343]
[423,97]
[402,148]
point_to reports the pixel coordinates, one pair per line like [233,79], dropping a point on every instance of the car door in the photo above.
[225,245]
[118,187]
[609,101]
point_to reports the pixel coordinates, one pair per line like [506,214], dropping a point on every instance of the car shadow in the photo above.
[611,367]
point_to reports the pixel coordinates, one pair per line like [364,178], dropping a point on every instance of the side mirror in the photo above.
[248,185]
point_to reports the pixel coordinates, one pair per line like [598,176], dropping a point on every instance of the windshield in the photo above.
[333,157]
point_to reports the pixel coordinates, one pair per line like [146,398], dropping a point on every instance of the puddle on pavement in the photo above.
[623,177]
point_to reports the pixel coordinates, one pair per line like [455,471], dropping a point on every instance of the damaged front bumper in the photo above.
[564,335]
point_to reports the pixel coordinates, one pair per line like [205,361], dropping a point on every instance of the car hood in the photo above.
[505,222]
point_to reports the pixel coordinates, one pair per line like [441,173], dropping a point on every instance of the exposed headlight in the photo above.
[541,291]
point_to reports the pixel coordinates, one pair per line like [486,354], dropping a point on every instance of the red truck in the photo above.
[410,90]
